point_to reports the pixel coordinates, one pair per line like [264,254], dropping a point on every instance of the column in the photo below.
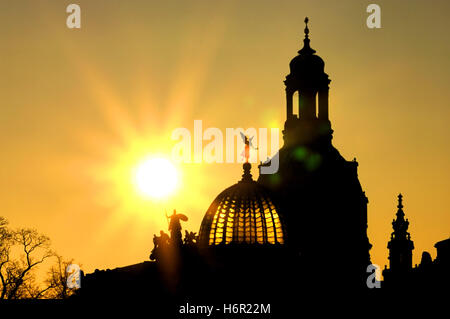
[307,104]
[289,109]
[323,104]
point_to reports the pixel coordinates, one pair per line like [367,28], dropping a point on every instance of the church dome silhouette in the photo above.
[242,214]
[306,64]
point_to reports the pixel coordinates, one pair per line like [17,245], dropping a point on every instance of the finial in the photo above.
[306,27]
[247,176]
[306,48]
[400,201]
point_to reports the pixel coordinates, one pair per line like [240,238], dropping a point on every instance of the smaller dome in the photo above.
[306,63]
[242,213]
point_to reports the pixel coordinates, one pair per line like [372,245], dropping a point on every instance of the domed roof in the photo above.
[243,213]
[306,63]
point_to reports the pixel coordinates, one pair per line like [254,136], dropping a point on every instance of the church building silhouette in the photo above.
[302,229]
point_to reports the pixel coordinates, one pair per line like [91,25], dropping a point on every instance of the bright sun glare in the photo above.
[156,177]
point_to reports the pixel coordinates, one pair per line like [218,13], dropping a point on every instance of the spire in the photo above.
[400,225]
[306,27]
[400,246]
[400,214]
[400,200]
[306,48]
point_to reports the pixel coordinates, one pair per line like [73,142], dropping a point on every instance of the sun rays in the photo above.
[137,125]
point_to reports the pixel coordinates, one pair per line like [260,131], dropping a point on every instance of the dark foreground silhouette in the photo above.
[294,240]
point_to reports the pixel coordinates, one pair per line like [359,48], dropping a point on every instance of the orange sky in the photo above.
[79,109]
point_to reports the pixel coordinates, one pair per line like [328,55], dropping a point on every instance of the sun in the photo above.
[156,177]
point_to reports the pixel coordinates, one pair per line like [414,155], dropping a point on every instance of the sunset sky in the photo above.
[80,109]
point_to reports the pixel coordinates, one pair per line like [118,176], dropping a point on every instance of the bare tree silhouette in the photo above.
[17,269]
[56,281]
[22,252]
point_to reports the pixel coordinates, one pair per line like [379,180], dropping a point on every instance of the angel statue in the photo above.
[248,144]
